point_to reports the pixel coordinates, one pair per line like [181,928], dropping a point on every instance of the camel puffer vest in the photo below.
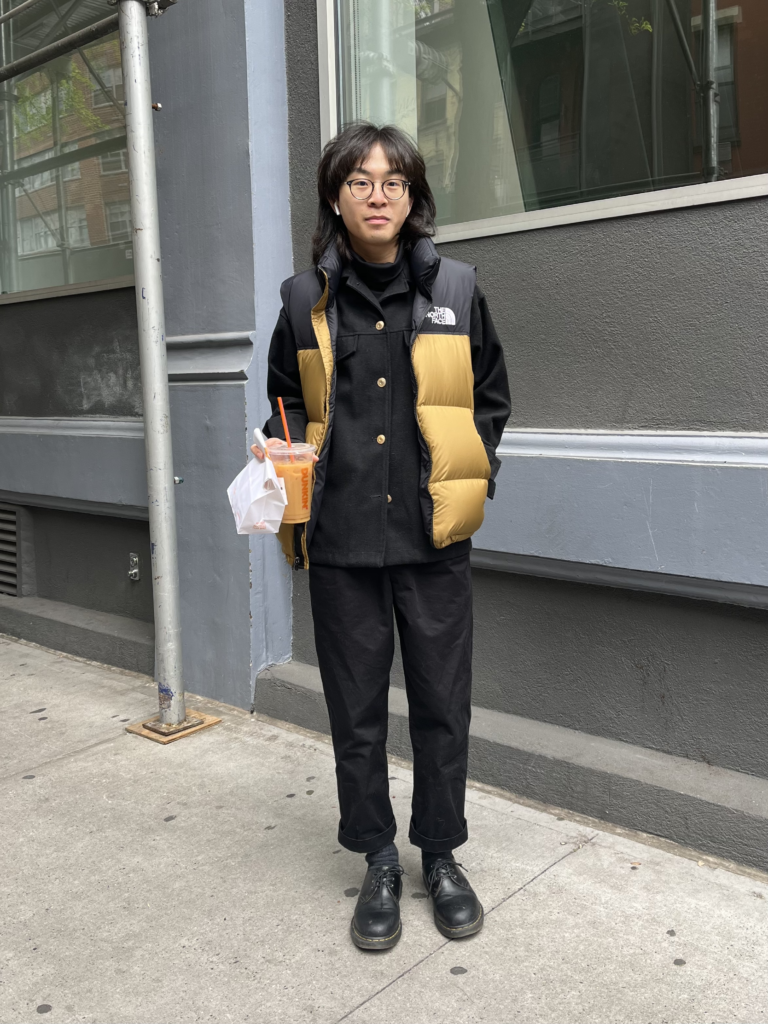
[455,469]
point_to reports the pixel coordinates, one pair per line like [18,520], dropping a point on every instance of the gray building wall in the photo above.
[645,322]
[199,74]
[222,183]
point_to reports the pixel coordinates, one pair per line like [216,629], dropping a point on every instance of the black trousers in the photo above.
[354,635]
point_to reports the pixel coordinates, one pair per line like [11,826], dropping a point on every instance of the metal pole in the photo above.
[17,10]
[710,95]
[154,370]
[683,41]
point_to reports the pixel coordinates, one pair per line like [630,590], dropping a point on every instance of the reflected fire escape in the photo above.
[514,20]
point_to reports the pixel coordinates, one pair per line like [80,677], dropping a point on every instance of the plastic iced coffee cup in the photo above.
[296,467]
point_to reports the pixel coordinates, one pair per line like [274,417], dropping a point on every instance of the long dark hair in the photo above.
[347,151]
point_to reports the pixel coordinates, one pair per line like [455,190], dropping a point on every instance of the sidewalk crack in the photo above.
[59,757]
[447,942]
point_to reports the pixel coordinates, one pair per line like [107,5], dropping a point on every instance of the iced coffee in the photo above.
[296,467]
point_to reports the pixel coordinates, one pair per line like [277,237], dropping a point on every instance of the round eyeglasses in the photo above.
[362,188]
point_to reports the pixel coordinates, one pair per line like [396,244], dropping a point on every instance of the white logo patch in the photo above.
[442,315]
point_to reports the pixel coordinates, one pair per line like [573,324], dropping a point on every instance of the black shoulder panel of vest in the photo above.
[300,294]
[452,293]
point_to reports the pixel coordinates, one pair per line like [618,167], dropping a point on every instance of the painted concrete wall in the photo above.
[647,322]
[199,71]
[203,185]
[707,520]
[208,431]
[219,71]
[270,186]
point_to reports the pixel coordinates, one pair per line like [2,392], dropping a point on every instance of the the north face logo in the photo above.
[442,315]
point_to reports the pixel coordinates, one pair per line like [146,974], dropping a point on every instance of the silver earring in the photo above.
[337,210]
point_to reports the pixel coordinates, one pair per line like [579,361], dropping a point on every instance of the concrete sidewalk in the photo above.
[202,881]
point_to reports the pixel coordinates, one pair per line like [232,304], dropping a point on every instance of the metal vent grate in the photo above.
[9,551]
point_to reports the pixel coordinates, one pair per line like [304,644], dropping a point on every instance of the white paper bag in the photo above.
[257,497]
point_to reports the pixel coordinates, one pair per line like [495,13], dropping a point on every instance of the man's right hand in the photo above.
[271,442]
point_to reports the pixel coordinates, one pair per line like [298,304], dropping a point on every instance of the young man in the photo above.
[386,358]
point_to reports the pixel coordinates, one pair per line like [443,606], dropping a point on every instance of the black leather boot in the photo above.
[458,912]
[376,921]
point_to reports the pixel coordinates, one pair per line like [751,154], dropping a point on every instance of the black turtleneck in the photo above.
[377,276]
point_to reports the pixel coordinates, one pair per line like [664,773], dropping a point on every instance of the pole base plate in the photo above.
[152,729]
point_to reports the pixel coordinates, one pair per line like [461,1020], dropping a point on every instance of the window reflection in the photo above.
[64,198]
[526,104]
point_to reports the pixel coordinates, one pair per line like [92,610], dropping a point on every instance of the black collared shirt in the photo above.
[370,514]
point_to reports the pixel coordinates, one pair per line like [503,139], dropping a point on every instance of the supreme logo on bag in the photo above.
[442,315]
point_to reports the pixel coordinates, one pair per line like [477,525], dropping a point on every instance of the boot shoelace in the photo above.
[446,869]
[385,875]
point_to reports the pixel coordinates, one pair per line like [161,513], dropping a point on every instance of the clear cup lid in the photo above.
[283,451]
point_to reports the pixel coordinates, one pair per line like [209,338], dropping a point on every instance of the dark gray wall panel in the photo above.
[303,123]
[655,321]
[685,677]
[83,560]
[76,355]
[203,170]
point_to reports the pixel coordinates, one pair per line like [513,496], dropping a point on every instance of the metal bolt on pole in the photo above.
[173,718]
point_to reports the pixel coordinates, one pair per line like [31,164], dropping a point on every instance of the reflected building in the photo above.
[522,106]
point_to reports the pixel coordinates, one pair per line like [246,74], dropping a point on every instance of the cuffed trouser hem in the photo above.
[438,845]
[369,845]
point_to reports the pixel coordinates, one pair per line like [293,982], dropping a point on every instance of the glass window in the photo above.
[40,233]
[522,105]
[62,156]
[119,221]
[114,163]
[107,86]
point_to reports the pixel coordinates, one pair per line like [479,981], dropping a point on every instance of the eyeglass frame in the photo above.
[406,185]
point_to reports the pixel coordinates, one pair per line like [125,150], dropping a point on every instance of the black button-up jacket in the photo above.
[370,513]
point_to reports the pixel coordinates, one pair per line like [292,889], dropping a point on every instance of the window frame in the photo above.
[701,194]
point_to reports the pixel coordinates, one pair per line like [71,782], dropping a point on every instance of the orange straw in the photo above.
[285,428]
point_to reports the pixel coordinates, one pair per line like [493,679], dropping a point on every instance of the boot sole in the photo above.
[463,931]
[387,942]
